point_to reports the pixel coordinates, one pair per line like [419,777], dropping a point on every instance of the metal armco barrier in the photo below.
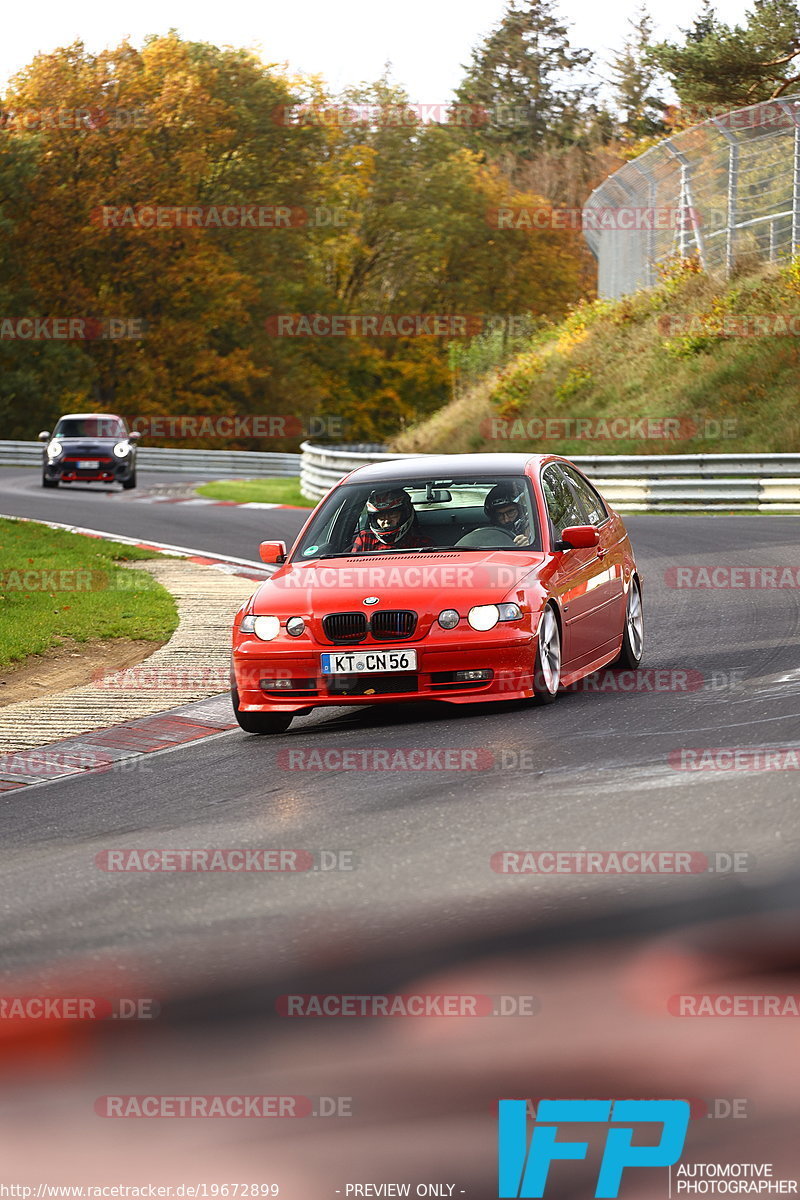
[222,464]
[632,483]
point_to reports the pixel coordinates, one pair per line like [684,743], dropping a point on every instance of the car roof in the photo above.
[444,466]
[73,416]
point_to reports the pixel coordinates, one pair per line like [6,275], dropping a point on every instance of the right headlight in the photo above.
[54,449]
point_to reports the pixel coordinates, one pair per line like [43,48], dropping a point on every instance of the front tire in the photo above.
[630,654]
[129,483]
[252,722]
[547,664]
[49,482]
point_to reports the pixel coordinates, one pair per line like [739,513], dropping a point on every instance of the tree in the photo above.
[719,67]
[633,76]
[524,77]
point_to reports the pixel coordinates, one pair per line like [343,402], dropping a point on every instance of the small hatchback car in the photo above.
[90,447]
[463,578]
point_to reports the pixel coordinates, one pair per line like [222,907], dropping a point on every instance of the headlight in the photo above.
[54,449]
[448,618]
[509,612]
[483,616]
[295,626]
[121,449]
[265,628]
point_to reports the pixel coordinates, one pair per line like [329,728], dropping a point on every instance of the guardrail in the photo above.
[222,464]
[631,482]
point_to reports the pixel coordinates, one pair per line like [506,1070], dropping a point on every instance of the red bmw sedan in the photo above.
[463,578]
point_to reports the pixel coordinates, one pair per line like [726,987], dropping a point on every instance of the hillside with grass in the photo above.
[691,366]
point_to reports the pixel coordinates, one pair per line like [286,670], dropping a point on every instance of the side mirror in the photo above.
[578,537]
[44,436]
[134,436]
[272,552]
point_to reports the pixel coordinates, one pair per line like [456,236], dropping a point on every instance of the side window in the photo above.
[563,504]
[596,511]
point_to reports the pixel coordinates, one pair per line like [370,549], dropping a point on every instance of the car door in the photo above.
[579,573]
[608,585]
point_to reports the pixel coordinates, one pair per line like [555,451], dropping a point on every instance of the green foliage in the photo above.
[717,67]
[93,598]
[668,353]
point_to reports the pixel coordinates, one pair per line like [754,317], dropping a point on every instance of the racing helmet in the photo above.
[501,495]
[393,504]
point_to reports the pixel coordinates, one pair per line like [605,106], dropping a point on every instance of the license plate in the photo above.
[88,464]
[369,662]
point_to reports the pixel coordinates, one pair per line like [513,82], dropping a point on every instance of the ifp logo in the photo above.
[523,1171]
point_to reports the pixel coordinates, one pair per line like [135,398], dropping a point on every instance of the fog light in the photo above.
[448,618]
[272,685]
[472,676]
[295,626]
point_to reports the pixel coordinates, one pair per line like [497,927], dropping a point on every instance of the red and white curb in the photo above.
[114,749]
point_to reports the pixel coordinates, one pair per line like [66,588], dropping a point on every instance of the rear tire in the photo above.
[630,654]
[547,664]
[49,482]
[252,722]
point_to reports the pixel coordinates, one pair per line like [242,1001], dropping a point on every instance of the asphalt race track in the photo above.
[108,508]
[592,772]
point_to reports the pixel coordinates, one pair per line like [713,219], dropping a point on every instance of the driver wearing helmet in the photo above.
[505,507]
[392,523]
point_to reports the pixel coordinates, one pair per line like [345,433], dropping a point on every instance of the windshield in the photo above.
[419,515]
[100,427]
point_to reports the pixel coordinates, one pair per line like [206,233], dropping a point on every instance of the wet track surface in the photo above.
[595,771]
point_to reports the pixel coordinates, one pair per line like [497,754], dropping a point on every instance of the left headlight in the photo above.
[483,616]
[54,449]
[265,628]
[121,449]
[486,616]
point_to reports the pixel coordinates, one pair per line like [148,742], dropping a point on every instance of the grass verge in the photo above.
[56,585]
[718,361]
[262,491]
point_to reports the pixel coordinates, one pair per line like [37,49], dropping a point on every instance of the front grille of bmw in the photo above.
[387,625]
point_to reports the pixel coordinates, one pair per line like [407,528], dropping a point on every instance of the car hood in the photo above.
[425,582]
[81,444]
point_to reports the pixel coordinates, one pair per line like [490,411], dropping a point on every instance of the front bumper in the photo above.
[509,657]
[109,470]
